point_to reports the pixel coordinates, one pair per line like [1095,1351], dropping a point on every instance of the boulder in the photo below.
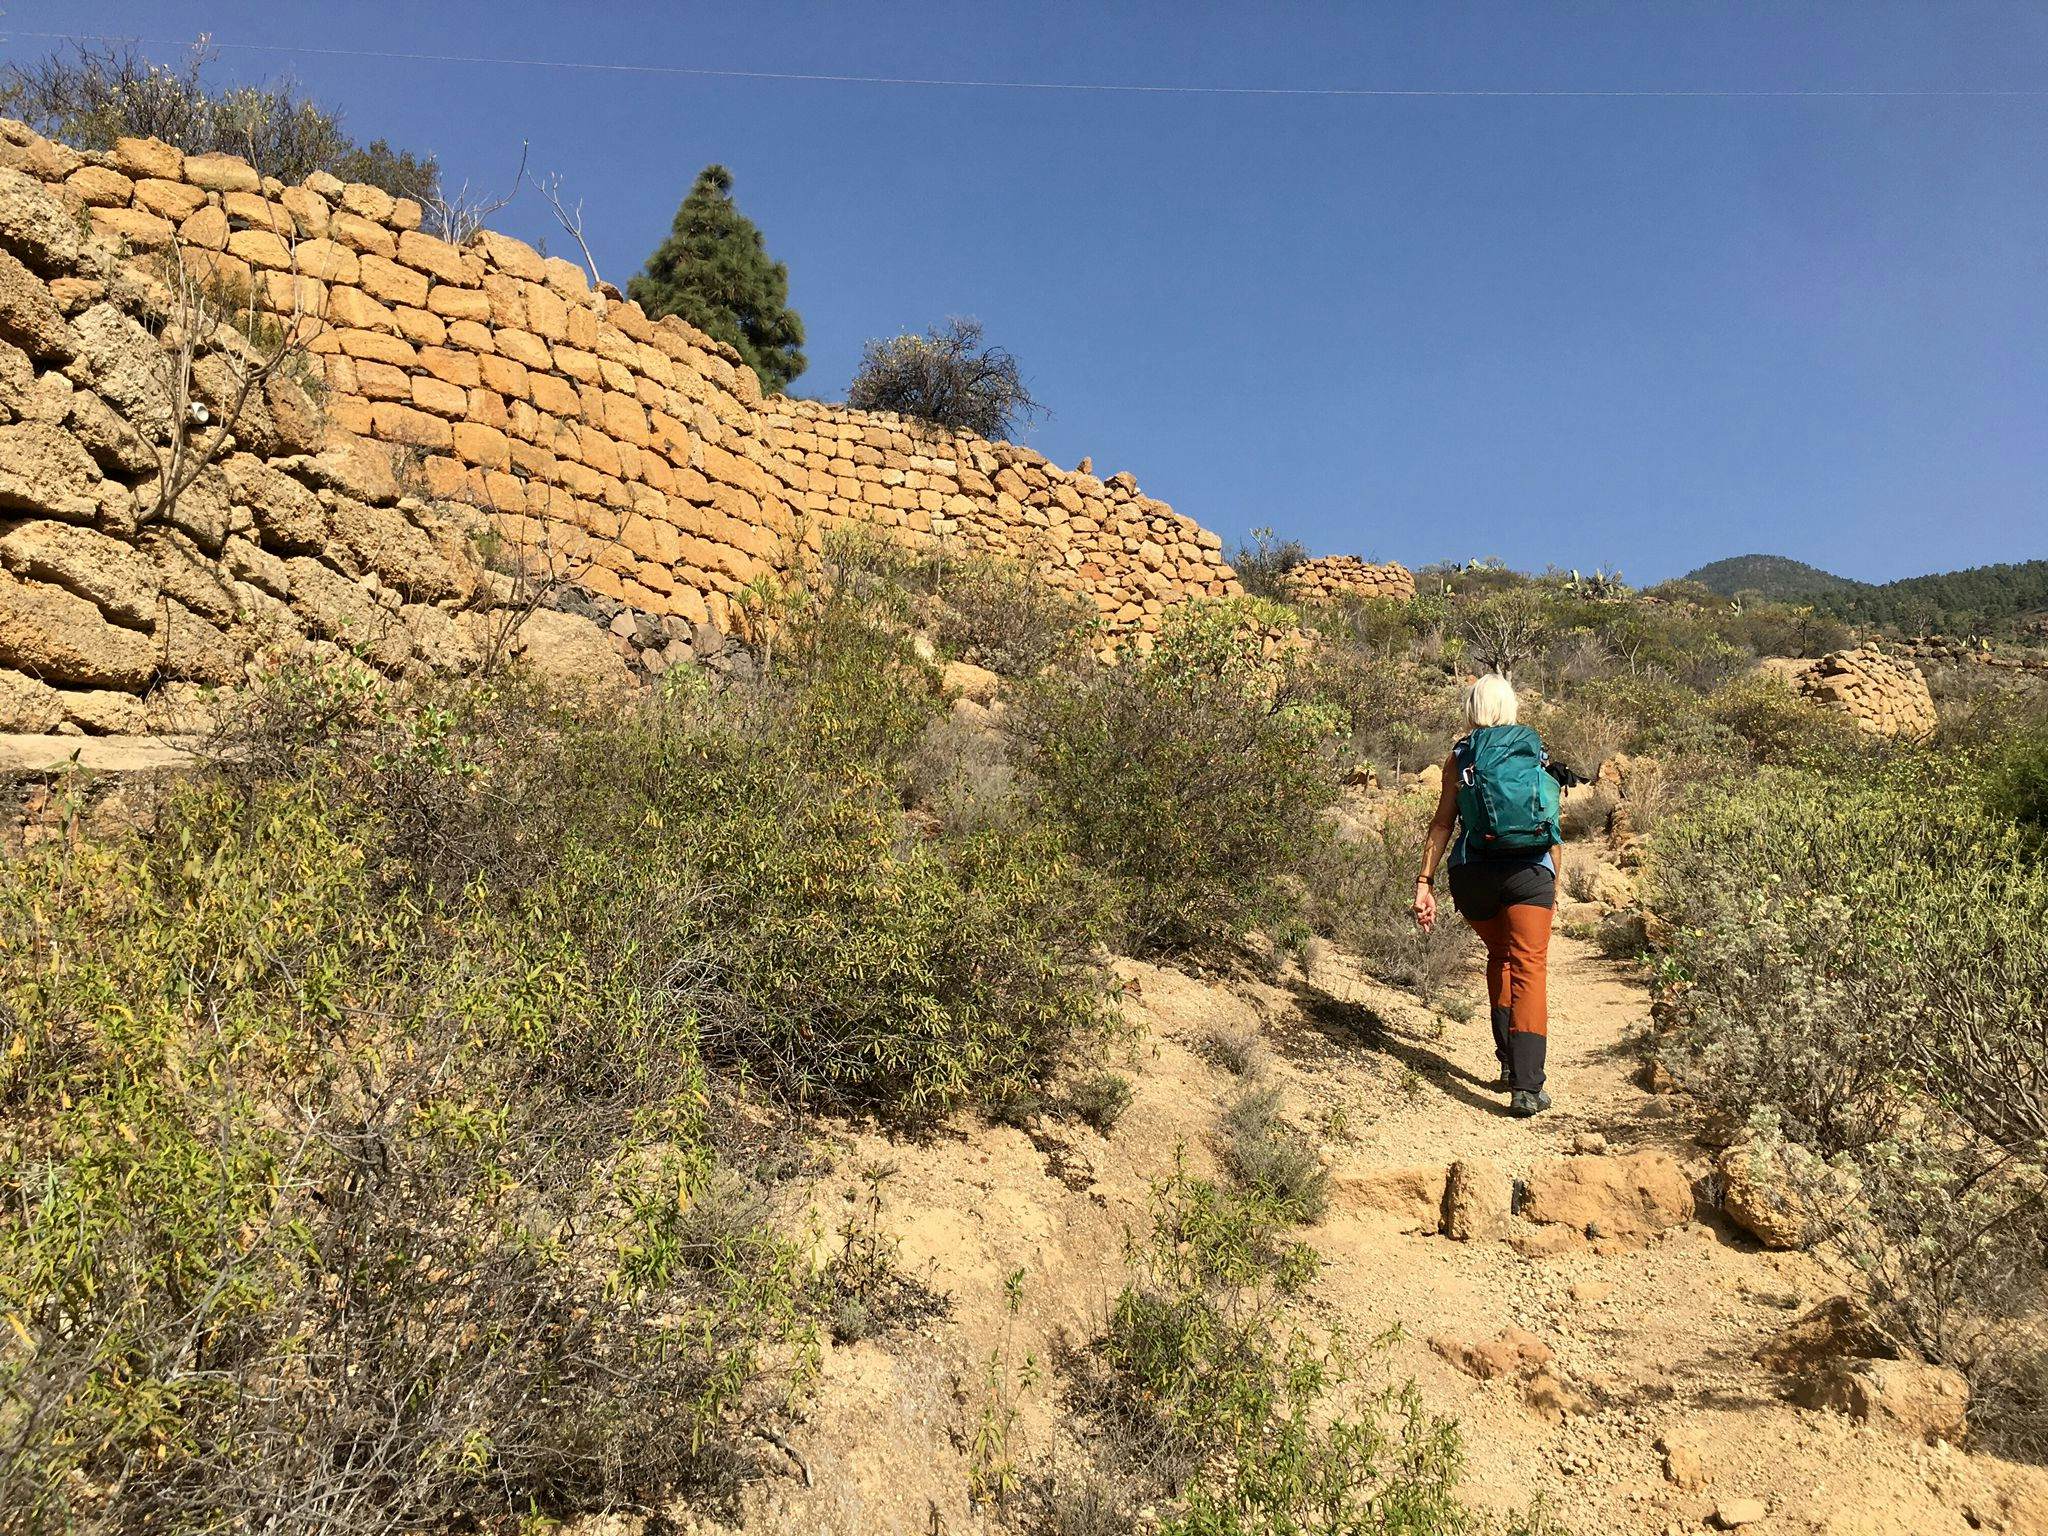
[114,445]
[29,316]
[103,712]
[1758,1195]
[1921,1402]
[123,365]
[1684,1466]
[969,681]
[1551,1398]
[1614,1196]
[1840,1328]
[59,637]
[1477,1200]
[572,652]
[28,704]
[1412,1196]
[36,225]
[1511,1352]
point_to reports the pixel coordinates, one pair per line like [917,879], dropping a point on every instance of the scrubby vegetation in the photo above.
[1855,964]
[89,95]
[951,376]
[383,1120]
[1206,1396]
[361,1115]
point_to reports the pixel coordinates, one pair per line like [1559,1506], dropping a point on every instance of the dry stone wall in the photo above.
[1335,577]
[122,611]
[1883,694]
[1126,554]
[635,458]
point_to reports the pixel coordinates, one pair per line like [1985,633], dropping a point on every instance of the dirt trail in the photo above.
[1657,1336]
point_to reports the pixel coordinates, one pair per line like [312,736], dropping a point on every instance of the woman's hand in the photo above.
[1425,905]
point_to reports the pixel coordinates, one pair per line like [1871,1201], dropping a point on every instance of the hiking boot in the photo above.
[1506,1081]
[1527,1104]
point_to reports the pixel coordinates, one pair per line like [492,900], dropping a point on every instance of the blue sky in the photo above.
[1570,330]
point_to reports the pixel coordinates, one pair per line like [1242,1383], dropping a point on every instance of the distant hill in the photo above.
[1986,599]
[1774,576]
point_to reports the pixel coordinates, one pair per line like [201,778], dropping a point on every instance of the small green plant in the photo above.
[993,1475]
[1100,1098]
[1235,1419]
[863,1291]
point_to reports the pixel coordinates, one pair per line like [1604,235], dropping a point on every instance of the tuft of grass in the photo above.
[1240,1052]
[1270,1160]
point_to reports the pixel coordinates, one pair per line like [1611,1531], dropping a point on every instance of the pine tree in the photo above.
[714,271]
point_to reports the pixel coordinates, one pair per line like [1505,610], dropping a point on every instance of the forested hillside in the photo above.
[1983,599]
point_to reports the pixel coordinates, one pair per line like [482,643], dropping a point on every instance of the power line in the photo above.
[1132,88]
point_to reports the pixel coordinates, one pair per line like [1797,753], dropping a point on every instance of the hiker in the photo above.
[1501,796]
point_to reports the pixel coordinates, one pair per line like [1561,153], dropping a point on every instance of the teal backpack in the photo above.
[1506,796]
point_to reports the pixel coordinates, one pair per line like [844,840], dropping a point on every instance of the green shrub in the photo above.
[1776,725]
[1242,1422]
[1857,963]
[1100,1098]
[1664,719]
[995,613]
[313,1194]
[2017,781]
[1182,779]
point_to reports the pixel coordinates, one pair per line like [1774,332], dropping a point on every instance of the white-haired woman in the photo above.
[1501,801]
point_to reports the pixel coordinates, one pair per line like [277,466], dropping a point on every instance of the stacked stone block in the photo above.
[1883,694]
[1104,540]
[121,614]
[1334,578]
[637,457]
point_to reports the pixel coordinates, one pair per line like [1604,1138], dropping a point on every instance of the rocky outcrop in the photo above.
[1631,1195]
[1883,694]
[1334,578]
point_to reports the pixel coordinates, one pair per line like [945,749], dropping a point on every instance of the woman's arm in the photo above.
[1438,839]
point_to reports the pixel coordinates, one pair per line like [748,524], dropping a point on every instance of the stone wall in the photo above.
[637,456]
[1102,539]
[1940,651]
[1340,576]
[1883,694]
[120,613]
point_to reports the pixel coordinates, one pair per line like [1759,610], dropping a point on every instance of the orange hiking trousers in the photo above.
[1508,906]
[1517,964]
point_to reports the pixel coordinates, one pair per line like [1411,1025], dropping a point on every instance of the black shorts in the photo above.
[1481,887]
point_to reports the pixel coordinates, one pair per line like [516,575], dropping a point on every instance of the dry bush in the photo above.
[92,92]
[1238,1051]
[1358,895]
[1582,736]
[949,376]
